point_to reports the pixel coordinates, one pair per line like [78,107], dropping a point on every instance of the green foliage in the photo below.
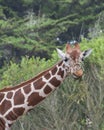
[97,45]
[98,28]
[33,26]
[17,73]
[44,27]
[21,70]
[73,102]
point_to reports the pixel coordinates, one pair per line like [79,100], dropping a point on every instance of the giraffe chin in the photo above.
[77,77]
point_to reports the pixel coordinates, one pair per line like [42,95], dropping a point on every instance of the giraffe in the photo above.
[18,100]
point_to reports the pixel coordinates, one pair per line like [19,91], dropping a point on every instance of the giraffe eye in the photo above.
[66,59]
[82,59]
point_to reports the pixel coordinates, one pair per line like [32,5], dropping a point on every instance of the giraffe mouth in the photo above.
[76,76]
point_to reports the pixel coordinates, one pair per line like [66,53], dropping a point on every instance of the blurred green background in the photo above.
[30,31]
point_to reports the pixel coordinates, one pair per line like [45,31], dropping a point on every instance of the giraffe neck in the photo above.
[14,102]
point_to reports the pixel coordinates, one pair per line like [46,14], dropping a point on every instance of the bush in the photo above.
[77,105]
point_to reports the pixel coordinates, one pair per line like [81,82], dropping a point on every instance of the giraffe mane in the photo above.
[25,82]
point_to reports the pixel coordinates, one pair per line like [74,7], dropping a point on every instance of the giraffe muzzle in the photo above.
[78,74]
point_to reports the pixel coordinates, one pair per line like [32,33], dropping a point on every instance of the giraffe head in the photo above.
[73,59]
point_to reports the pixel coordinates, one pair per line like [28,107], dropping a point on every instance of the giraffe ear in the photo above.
[86,53]
[60,53]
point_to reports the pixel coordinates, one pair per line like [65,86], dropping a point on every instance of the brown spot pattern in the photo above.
[47,90]
[39,84]
[61,73]
[18,98]
[34,99]
[2,124]
[63,65]
[47,76]
[11,116]
[54,71]
[27,88]
[9,95]
[60,63]
[55,82]
[1,96]
[5,106]
[19,111]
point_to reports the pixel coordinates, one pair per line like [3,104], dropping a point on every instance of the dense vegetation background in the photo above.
[30,30]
